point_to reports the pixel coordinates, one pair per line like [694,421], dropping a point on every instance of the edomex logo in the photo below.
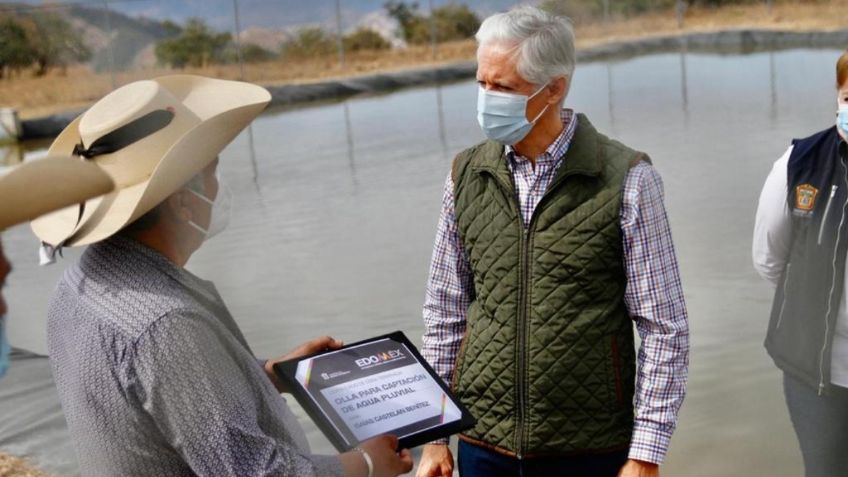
[380,358]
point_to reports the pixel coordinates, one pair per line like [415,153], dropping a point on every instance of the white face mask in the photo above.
[503,116]
[842,120]
[221,210]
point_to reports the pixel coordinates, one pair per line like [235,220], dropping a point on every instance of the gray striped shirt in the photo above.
[155,377]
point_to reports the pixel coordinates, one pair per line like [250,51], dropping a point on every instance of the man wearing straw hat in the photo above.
[35,188]
[154,375]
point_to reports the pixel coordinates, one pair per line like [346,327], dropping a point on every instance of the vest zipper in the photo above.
[826,210]
[832,288]
[524,325]
[522,341]
[523,270]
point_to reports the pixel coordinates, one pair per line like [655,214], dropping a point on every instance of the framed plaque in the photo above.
[377,386]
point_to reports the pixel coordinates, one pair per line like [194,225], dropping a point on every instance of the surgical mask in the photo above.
[503,116]
[5,349]
[842,120]
[221,210]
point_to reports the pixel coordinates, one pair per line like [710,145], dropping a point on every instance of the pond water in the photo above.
[336,207]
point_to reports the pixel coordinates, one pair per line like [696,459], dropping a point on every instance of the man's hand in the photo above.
[320,344]
[638,468]
[385,458]
[436,461]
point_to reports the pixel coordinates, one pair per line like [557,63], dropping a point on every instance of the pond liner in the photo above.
[47,126]
[740,41]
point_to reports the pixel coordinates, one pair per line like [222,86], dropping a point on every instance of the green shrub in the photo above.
[310,42]
[15,50]
[365,39]
[196,45]
[453,22]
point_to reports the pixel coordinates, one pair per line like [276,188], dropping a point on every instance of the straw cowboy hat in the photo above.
[40,186]
[151,137]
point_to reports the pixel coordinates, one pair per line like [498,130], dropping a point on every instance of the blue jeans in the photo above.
[475,461]
[821,423]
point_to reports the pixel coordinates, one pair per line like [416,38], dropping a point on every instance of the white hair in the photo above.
[544,42]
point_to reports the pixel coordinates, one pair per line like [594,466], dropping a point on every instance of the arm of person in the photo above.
[450,289]
[773,224]
[654,299]
[197,392]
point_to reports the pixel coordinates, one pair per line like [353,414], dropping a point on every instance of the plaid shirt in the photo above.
[653,296]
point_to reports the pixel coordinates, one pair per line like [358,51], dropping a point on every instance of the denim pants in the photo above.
[821,423]
[475,461]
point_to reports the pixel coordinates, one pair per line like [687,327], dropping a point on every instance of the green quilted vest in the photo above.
[547,365]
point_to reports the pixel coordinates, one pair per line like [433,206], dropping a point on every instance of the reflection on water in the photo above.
[336,209]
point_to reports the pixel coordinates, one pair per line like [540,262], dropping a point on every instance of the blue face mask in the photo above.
[503,116]
[842,120]
[5,349]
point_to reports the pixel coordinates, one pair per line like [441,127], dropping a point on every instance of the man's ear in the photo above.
[177,208]
[558,89]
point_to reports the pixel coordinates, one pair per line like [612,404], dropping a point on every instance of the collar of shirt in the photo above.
[126,249]
[555,151]
[145,268]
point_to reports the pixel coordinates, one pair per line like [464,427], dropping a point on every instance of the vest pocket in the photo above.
[473,316]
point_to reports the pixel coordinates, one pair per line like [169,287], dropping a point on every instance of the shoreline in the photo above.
[729,41]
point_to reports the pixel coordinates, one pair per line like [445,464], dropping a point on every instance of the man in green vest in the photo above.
[553,241]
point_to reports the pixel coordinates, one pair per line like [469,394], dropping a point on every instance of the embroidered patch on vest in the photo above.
[805,198]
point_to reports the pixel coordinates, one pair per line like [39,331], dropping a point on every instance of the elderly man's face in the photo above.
[5,269]
[497,71]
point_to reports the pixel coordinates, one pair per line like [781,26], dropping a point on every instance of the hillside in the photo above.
[128,39]
[125,35]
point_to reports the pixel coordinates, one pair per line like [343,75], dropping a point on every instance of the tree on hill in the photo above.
[309,42]
[171,28]
[15,50]
[452,22]
[196,45]
[54,41]
[406,15]
[365,39]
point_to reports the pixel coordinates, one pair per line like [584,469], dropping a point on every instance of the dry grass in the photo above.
[11,466]
[79,86]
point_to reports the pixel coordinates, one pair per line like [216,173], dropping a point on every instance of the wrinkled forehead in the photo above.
[497,60]
[498,53]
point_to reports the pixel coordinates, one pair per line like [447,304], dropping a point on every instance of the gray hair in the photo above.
[544,42]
